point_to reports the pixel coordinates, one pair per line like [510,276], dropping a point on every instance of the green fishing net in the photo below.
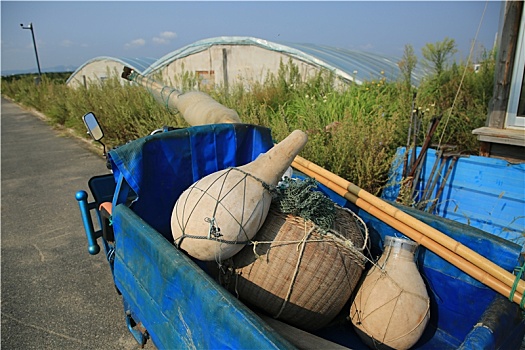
[300,197]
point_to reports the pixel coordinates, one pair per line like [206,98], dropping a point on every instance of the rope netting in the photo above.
[299,198]
[305,260]
[390,307]
[162,94]
[214,232]
[292,196]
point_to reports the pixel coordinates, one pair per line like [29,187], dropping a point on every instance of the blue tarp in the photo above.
[158,168]
[176,301]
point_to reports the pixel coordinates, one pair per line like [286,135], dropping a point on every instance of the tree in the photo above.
[436,55]
[407,64]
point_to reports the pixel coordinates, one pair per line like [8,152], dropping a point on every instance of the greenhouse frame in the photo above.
[231,60]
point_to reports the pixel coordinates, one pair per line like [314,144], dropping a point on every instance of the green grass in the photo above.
[354,132]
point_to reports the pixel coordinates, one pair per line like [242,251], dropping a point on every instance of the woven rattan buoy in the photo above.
[217,215]
[297,273]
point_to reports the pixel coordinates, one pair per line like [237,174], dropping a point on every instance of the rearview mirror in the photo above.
[93,126]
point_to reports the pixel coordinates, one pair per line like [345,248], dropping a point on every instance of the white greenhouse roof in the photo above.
[139,64]
[350,65]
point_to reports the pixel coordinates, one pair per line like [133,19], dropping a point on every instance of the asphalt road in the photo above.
[54,294]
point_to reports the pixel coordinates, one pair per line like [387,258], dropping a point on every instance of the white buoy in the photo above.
[212,218]
[199,108]
[196,107]
[392,307]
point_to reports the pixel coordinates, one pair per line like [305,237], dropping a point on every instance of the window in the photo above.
[206,78]
[516,107]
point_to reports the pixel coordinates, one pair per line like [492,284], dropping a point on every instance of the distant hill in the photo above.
[56,69]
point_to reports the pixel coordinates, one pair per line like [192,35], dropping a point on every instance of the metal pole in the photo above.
[34,44]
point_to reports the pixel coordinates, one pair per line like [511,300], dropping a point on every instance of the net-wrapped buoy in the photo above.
[392,308]
[199,108]
[196,107]
[217,215]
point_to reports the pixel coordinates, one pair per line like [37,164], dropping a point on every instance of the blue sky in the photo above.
[69,33]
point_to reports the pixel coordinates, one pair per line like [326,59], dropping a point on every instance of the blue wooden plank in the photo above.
[177,302]
[485,193]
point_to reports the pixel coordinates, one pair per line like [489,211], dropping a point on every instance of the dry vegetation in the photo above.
[352,132]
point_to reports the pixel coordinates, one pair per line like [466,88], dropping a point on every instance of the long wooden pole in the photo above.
[417,229]
[456,260]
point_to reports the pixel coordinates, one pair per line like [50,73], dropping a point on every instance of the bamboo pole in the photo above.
[427,230]
[392,218]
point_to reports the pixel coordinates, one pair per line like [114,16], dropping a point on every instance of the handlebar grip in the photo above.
[85,207]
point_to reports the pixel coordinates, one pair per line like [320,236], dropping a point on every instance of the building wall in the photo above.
[504,136]
[217,66]
[222,65]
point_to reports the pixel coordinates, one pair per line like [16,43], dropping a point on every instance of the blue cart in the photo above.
[171,300]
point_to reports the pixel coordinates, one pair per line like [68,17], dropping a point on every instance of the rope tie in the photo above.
[265,185]
[255,243]
[169,96]
[219,240]
[214,230]
[296,271]
[519,272]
